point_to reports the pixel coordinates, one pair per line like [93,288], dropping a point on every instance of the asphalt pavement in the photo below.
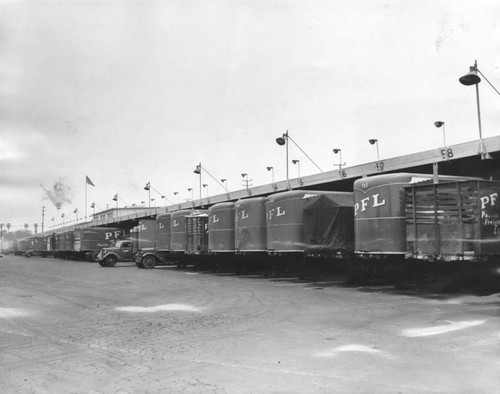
[74,327]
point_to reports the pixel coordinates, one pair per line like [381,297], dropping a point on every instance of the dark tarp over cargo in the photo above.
[329,223]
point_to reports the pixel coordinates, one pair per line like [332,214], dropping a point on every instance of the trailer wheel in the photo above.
[139,265]
[110,261]
[28,254]
[102,263]
[149,262]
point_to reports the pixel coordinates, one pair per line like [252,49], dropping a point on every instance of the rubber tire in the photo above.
[28,254]
[139,265]
[110,261]
[102,263]
[148,262]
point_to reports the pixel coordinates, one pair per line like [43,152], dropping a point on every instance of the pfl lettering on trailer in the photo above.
[110,234]
[368,202]
[215,219]
[244,215]
[490,200]
[278,211]
[176,223]
[160,225]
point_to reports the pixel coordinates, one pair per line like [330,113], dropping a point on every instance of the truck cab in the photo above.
[121,252]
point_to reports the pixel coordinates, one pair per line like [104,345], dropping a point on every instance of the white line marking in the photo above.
[159,308]
[348,348]
[438,330]
[12,312]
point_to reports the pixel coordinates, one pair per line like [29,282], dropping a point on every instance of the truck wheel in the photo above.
[139,265]
[110,261]
[102,263]
[28,254]
[148,262]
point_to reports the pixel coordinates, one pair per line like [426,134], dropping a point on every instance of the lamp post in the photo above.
[165,198]
[76,212]
[197,170]
[93,208]
[473,79]
[372,142]
[205,186]
[153,200]
[190,189]
[295,161]
[245,179]
[148,188]
[440,124]
[272,172]
[115,198]
[339,151]
[178,197]
[283,140]
[43,217]
[224,183]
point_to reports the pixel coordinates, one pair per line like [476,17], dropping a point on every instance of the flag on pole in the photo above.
[88,181]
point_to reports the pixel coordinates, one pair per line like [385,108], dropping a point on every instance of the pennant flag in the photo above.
[89,182]
[198,169]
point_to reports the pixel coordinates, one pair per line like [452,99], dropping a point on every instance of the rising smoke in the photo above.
[60,193]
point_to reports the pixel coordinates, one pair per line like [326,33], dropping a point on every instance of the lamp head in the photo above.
[281,141]
[269,168]
[295,161]
[372,141]
[244,175]
[336,150]
[438,123]
[470,78]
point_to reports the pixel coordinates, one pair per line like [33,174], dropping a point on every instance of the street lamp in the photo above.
[153,200]
[439,124]
[272,172]
[148,188]
[115,198]
[178,197]
[205,186]
[245,179]
[76,212]
[197,170]
[165,198]
[339,151]
[374,141]
[190,189]
[224,183]
[295,161]
[283,140]
[473,79]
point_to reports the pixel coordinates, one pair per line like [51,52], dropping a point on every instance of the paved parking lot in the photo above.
[74,327]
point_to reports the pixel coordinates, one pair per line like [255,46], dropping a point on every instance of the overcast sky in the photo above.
[127,92]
